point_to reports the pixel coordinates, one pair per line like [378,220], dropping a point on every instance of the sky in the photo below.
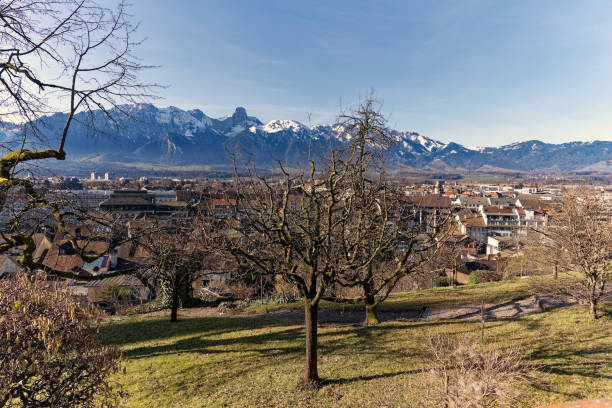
[480,73]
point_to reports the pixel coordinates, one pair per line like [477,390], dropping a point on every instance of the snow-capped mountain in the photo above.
[172,136]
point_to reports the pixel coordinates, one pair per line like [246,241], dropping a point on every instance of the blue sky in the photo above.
[475,72]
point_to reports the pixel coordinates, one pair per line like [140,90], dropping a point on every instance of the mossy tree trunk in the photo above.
[371,304]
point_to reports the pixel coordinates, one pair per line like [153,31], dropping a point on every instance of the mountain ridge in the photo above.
[172,136]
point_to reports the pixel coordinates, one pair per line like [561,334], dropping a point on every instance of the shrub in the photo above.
[489,277]
[442,281]
[465,374]
[283,297]
[49,352]
[125,294]
[474,276]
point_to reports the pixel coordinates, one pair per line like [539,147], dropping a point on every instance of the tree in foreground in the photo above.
[581,236]
[72,56]
[49,353]
[290,231]
[330,224]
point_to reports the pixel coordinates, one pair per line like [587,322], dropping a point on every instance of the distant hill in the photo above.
[175,137]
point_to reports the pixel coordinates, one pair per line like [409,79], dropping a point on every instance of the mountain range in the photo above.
[182,138]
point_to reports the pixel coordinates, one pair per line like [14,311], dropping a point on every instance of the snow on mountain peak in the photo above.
[427,143]
[283,125]
[181,118]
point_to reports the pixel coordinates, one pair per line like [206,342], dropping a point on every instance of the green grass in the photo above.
[254,362]
[491,292]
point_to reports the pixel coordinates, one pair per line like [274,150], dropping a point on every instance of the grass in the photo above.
[254,362]
[491,292]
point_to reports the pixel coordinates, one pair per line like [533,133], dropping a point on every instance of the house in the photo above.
[473,203]
[498,245]
[129,203]
[473,226]
[94,290]
[224,207]
[428,206]
[212,278]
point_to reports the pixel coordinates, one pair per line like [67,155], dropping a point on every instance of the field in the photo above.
[492,292]
[254,362]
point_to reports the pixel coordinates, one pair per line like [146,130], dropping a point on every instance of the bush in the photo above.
[465,374]
[489,277]
[149,307]
[283,297]
[476,275]
[125,294]
[442,281]
[49,353]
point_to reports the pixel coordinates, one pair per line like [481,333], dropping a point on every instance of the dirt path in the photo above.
[505,310]
[331,316]
[493,311]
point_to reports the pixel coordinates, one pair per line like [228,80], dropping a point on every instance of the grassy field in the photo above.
[492,292]
[254,362]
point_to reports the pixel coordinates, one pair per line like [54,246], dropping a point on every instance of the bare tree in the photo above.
[289,230]
[542,255]
[580,235]
[379,245]
[447,253]
[331,224]
[74,56]
[176,255]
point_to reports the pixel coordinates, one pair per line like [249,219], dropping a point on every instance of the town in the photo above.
[490,222]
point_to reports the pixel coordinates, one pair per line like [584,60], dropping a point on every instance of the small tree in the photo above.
[49,352]
[175,256]
[448,252]
[378,246]
[581,236]
[289,230]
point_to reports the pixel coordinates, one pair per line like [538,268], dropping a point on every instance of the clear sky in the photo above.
[475,72]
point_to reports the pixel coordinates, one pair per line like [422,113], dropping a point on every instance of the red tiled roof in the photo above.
[431,201]
[496,210]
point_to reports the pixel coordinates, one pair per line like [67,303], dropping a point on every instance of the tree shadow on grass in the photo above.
[570,359]
[341,381]
[124,332]
[208,344]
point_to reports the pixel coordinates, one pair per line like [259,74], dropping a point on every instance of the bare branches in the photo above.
[72,56]
[577,242]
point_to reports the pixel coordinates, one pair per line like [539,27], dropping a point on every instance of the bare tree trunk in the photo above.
[311,375]
[592,303]
[593,309]
[556,272]
[175,305]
